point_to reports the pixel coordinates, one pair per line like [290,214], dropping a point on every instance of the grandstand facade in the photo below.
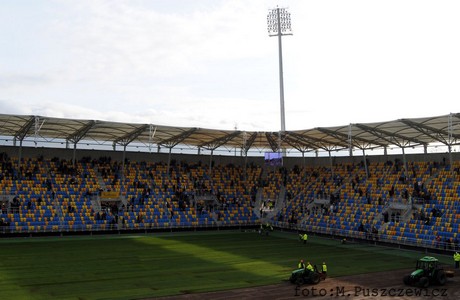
[405,199]
[49,193]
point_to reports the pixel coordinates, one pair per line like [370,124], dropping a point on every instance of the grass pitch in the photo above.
[143,266]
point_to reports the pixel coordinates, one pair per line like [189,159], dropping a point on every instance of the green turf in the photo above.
[133,267]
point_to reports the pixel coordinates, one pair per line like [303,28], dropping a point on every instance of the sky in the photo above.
[212,64]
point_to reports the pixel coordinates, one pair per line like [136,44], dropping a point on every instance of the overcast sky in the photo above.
[211,63]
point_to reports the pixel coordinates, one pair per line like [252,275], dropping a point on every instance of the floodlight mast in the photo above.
[279,24]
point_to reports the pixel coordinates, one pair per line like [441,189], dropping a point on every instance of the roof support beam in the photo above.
[78,135]
[216,143]
[300,145]
[248,142]
[131,136]
[436,134]
[390,137]
[175,140]
[308,141]
[22,132]
[343,138]
[273,142]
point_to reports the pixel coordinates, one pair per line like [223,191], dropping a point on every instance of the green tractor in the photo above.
[427,271]
[303,275]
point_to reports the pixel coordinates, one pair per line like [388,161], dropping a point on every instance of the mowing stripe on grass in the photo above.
[141,266]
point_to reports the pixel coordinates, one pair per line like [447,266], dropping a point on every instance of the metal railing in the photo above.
[396,240]
[80,228]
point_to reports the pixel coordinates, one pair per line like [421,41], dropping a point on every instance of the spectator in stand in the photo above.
[438,241]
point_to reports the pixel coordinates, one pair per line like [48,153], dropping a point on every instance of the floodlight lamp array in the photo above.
[279,19]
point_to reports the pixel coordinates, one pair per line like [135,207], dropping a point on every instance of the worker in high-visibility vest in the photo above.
[301,264]
[309,267]
[324,268]
[305,238]
[457,260]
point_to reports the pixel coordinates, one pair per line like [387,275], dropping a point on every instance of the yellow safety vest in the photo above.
[324,268]
[457,256]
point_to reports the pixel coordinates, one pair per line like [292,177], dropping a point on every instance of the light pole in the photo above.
[279,24]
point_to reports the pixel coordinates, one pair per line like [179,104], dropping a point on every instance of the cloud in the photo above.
[210,63]
[114,39]
[10,80]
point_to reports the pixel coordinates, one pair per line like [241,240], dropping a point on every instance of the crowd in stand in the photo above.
[182,189]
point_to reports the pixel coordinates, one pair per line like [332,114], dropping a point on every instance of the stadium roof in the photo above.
[414,132]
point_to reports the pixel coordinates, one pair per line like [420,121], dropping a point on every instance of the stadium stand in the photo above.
[374,201]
